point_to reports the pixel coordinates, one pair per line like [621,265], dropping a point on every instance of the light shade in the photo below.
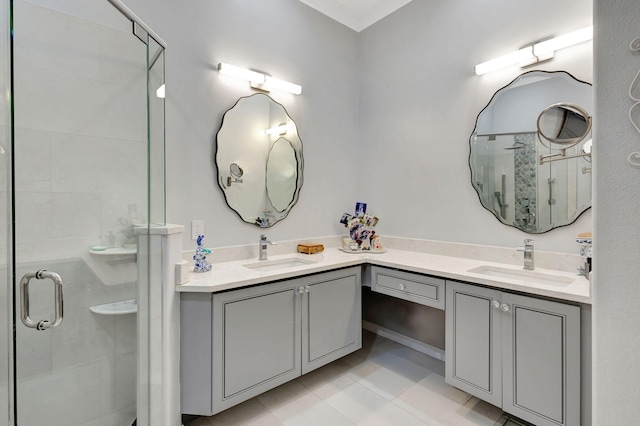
[520,57]
[537,52]
[242,73]
[272,83]
[567,40]
[259,80]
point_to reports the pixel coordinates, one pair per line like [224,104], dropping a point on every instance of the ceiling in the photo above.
[356,14]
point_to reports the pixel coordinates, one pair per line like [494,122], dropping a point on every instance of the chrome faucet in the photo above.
[528,253]
[264,241]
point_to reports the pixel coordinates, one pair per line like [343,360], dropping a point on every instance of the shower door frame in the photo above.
[8,360]
[144,404]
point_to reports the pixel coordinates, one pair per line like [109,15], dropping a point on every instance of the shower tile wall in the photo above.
[80,181]
[81,124]
[525,165]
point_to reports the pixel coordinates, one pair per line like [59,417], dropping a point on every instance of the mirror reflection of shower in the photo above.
[537,119]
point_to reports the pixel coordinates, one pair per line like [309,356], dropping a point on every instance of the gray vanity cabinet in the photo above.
[473,345]
[256,341]
[516,352]
[240,343]
[331,317]
[422,289]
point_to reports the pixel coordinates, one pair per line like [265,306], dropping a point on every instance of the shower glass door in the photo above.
[82,191]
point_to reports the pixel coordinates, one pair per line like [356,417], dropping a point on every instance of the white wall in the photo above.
[418,105]
[407,80]
[288,40]
[616,232]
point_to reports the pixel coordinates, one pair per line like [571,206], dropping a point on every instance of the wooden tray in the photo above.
[310,248]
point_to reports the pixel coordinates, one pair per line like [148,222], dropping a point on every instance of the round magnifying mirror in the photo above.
[564,124]
[236,171]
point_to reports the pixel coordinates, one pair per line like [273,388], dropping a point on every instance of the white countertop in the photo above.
[232,275]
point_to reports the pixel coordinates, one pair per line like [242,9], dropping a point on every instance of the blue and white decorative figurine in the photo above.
[362,236]
[586,251]
[202,264]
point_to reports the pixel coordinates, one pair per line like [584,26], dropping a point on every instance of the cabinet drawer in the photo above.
[416,288]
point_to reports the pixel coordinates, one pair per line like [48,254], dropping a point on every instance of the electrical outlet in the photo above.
[197,228]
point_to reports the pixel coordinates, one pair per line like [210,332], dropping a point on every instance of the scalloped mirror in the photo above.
[506,151]
[259,160]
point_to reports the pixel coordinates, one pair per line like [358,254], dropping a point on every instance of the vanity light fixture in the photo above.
[537,52]
[548,47]
[259,80]
[522,57]
[241,73]
[271,83]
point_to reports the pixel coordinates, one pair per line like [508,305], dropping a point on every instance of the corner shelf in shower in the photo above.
[115,254]
[116,308]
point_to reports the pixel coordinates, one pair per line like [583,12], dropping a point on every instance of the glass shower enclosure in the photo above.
[81,179]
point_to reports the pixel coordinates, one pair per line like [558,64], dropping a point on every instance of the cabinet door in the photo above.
[541,382]
[331,317]
[472,341]
[256,341]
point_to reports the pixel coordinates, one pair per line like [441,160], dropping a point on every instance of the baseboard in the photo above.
[407,341]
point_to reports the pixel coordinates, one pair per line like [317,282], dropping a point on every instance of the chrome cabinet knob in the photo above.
[495,304]
[505,307]
[402,286]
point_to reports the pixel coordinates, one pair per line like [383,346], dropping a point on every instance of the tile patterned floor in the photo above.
[384,383]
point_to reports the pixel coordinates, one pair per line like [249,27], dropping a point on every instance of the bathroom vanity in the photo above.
[513,338]
[241,343]
[519,353]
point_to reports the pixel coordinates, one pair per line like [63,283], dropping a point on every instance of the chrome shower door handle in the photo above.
[24,299]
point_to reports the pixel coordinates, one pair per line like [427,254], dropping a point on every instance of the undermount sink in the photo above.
[277,264]
[527,276]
